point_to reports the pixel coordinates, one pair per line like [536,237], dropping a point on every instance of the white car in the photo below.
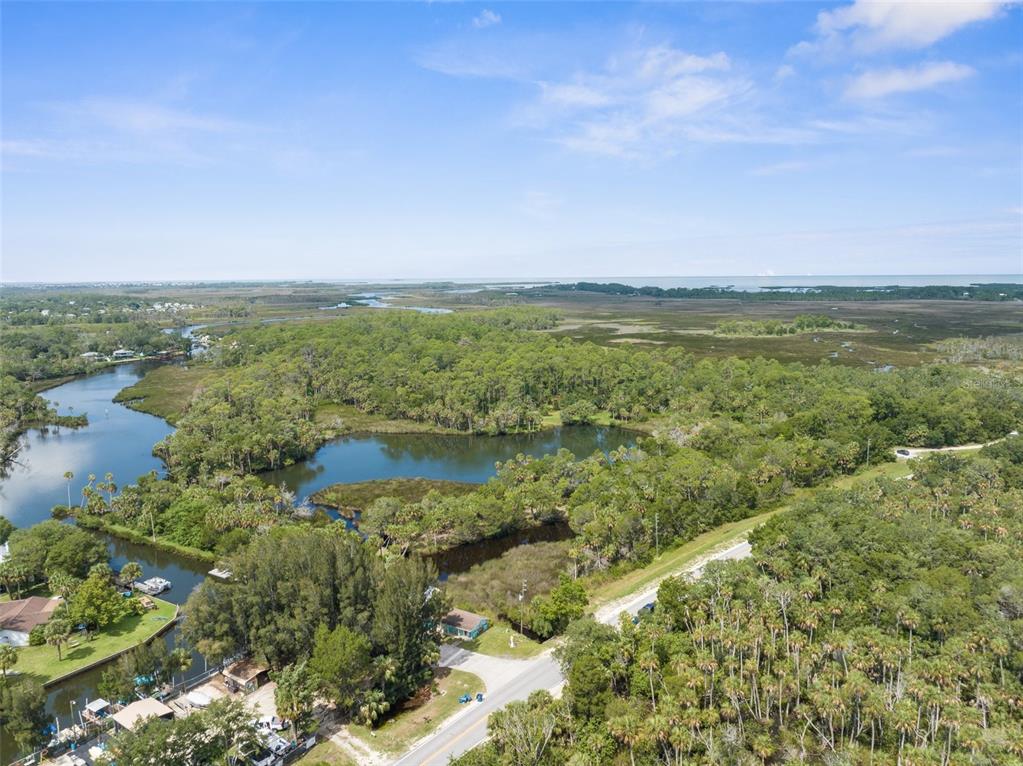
[270,723]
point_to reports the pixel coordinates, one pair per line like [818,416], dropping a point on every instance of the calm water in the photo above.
[120,440]
[433,456]
[117,439]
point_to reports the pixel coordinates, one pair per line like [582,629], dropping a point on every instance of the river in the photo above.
[119,440]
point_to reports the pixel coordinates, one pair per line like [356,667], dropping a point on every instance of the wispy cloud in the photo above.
[487,18]
[780,168]
[98,129]
[879,83]
[875,25]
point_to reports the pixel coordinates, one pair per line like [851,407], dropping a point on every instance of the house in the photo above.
[246,674]
[91,355]
[463,624]
[132,715]
[17,618]
[123,353]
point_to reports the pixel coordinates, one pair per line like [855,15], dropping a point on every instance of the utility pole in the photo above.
[522,595]
[868,452]
[657,533]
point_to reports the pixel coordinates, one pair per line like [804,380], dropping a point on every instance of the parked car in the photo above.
[902,452]
[479,696]
[270,723]
[464,698]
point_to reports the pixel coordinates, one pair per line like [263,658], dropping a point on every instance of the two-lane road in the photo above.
[469,727]
[512,680]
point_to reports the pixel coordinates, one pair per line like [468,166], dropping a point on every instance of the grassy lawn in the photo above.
[401,731]
[362,494]
[675,559]
[166,390]
[553,420]
[41,661]
[326,752]
[495,642]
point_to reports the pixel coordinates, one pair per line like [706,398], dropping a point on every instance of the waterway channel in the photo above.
[120,441]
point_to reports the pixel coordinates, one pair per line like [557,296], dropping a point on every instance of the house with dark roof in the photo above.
[17,618]
[463,624]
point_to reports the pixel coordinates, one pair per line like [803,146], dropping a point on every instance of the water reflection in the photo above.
[435,456]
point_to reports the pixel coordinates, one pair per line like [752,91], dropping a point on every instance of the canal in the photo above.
[120,440]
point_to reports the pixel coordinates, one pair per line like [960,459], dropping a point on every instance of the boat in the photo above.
[154,586]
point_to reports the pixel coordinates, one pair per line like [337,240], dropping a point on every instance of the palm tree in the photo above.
[131,572]
[627,729]
[57,634]
[374,705]
[385,668]
[294,694]
[111,488]
[63,584]
[68,476]
[8,658]
[179,661]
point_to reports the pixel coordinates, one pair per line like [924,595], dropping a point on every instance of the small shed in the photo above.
[464,624]
[136,713]
[247,674]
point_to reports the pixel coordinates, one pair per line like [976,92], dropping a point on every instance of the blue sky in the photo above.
[290,140]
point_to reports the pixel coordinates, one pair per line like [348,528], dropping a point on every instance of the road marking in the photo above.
[453,741]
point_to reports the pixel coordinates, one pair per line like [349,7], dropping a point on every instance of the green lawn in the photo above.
[553,420]
[326,752]
[41,661]
[397,734]
[674,560]
[495,642]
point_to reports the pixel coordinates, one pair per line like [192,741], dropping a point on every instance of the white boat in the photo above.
[154,586]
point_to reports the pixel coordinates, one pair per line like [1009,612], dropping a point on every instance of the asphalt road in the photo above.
[468,727]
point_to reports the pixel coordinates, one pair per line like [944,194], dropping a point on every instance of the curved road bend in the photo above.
[511,680]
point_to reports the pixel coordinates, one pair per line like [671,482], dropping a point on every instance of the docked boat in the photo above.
[154,586]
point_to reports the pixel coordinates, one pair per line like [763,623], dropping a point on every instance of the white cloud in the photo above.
[879,83]
[640,102]
[487,18]
[784,72]
[873,25]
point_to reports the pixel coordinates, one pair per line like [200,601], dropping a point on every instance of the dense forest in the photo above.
[491,373]
[876,625]
[734,435]
[365,626]
[995,291]
[45,351]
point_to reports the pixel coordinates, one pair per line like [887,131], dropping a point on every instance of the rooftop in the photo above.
[459,618]
[245,670]
[24,614]
[130,715]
